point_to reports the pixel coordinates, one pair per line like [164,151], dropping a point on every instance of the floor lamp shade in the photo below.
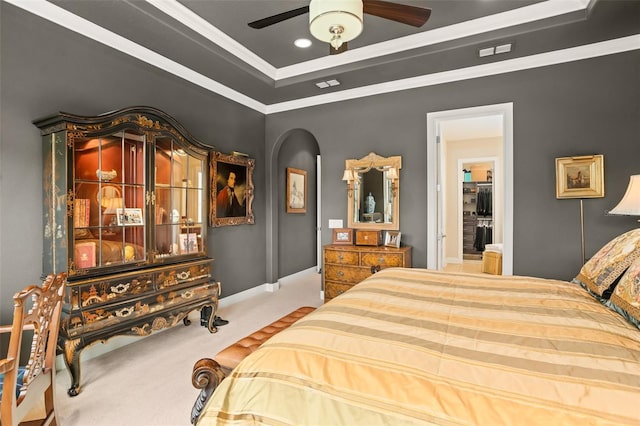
[630,203]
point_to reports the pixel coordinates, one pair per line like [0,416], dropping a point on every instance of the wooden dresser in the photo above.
[345,265]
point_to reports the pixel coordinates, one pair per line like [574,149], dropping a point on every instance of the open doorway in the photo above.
[457,138]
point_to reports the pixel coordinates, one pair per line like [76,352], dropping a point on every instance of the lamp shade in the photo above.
[630,203]
[392,173]
[324,15]
[348,175]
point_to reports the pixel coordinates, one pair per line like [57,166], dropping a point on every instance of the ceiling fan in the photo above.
[339,21]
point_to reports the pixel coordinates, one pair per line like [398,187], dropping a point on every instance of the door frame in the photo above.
[434,164]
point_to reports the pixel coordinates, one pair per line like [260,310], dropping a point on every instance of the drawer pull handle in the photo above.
[125,312]
[381,259]
[183,275]
[340,273]
[340,257]
[120,288]
[187,294]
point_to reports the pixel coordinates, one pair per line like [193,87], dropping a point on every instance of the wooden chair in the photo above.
[36,311]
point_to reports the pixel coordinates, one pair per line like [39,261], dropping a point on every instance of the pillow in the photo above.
[600,273]
[626,296]
[19,381]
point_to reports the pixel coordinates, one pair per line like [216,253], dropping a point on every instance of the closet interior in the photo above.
[477,209]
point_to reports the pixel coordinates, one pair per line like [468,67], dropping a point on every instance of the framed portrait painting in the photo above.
[580,177]
[296,190]
[231,189]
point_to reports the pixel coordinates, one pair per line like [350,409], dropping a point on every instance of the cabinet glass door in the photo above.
[179,200]
[109,200]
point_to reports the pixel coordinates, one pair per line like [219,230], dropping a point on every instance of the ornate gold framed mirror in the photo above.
[373,192]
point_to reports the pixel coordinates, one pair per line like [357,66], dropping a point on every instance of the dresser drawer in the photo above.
[332,289]
[348,274]
[341,257]
[181,275]
[97,318]
[98,292]
[382,259]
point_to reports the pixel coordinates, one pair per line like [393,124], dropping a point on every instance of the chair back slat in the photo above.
[36,310]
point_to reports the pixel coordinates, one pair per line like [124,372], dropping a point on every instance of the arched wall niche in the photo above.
[291,238]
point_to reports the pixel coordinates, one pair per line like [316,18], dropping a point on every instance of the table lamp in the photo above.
[630,203]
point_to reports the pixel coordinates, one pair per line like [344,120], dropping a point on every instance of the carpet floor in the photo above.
[148,382]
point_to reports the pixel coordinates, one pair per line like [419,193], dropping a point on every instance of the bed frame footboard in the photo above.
[207,375]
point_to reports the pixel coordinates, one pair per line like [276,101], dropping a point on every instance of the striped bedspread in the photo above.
[411,346]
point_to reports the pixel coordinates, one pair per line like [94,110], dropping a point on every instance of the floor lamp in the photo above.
[630,203]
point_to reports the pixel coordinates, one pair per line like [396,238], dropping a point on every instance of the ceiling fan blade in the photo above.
[265,22]
[410,15]
[339,50]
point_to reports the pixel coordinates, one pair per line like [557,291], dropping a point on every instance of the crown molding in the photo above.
[88,29]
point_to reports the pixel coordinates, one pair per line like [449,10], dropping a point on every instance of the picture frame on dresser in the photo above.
[231,190]
[342,236]
[580,177]
[392,239]
[296,190]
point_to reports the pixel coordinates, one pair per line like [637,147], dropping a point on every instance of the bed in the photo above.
[415,346]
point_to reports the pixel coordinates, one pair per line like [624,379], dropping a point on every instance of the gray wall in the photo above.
[297,231]
[585,107]
[46,69]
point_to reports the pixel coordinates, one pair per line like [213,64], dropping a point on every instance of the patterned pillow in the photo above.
[626,296]
[19,381]
[600,273]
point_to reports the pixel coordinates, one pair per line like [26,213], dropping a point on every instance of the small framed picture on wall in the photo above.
[296,190]
[580,177]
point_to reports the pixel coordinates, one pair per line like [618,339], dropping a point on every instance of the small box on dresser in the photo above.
[365,237]
[346,266]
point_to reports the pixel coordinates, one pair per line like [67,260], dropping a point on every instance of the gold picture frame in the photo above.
[231,206]
[296,190]
[580,177]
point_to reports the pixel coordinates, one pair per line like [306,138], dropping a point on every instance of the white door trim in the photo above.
[433,119]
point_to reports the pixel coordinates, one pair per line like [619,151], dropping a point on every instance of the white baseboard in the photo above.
[116,342]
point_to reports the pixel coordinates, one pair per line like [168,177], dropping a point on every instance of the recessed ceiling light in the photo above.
[302,42]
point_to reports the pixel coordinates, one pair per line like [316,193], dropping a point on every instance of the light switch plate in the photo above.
[335,223]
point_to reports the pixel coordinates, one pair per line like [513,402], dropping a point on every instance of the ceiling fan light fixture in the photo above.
[335,21]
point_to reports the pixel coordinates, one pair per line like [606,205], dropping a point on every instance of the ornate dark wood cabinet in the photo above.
[346,265]
[125,210]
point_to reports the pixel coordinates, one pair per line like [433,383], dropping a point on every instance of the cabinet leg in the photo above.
[72,361]
[212,318]
[186,320]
